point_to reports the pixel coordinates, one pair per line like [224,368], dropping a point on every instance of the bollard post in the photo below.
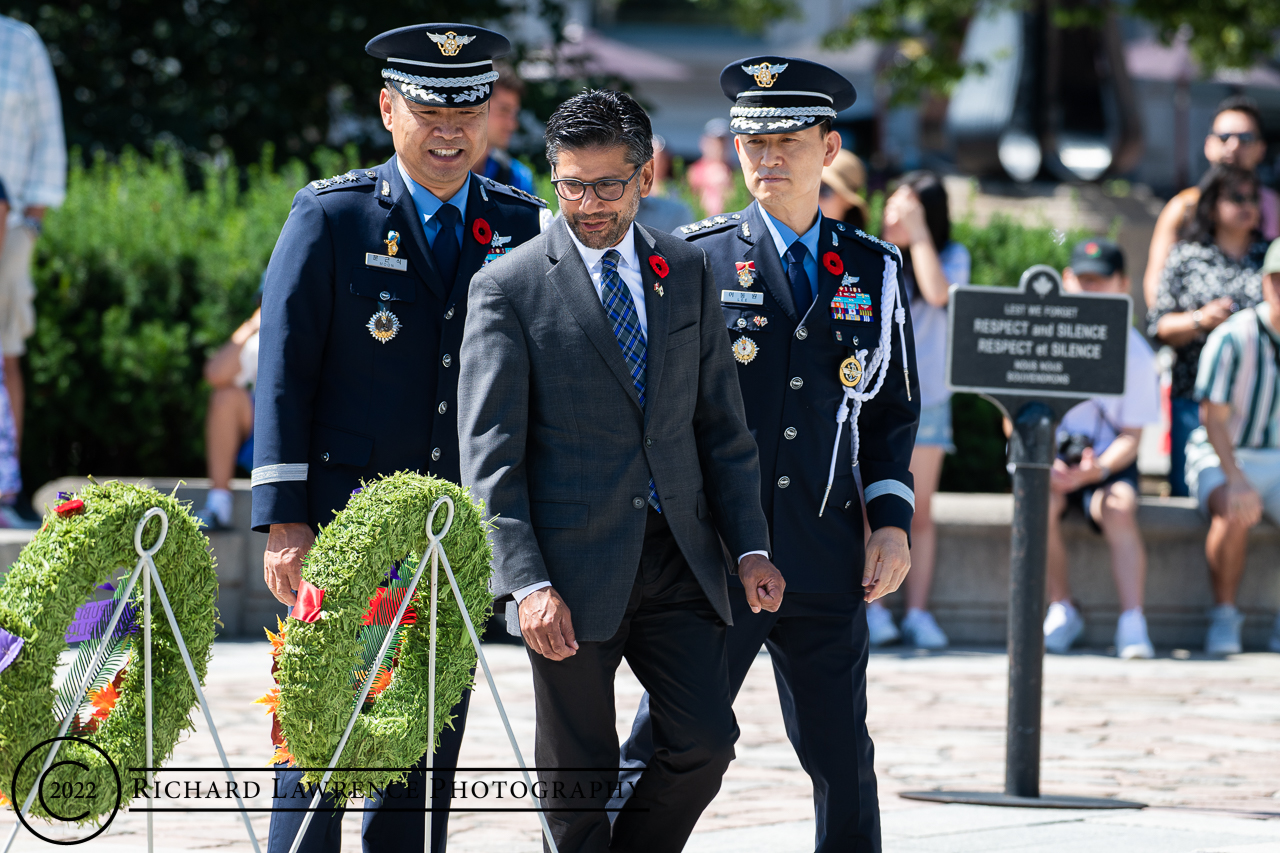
[1031,451]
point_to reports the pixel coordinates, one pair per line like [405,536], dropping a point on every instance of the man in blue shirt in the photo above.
[504,121]
[816,318]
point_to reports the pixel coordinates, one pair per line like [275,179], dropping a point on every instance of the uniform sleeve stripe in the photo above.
[889,487]
[283,473]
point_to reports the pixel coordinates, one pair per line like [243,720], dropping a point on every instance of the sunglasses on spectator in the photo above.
[1241,198]
[1245,138]
[609,189]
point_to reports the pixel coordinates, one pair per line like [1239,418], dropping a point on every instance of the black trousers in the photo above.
[399,819]
[675,644]
[818,645]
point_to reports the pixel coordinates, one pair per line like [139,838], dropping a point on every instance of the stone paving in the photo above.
[1195,738]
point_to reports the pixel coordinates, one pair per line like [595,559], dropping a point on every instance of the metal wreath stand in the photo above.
[436,554]
[145,556]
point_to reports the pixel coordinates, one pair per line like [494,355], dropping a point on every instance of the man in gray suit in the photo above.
[601,422]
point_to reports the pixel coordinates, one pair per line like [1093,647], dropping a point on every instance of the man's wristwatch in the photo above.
[1196,316]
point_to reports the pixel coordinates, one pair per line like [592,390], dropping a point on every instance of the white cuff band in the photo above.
[283,473]
[889,487]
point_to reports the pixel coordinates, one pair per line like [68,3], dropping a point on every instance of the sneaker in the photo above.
[11,520]
[880,625]
[1274,643]
[1063,625]
[1131,636]
[1223,637]
[919,629]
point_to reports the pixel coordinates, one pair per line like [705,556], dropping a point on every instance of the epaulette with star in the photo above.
[711,225]
[353,178]
[874,243]
[505,189]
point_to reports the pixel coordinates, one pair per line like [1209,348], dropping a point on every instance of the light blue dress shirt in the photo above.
[428,205]
[783,237]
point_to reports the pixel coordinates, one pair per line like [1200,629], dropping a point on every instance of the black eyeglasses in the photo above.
[1242,198]
[609,189]
[1245,138]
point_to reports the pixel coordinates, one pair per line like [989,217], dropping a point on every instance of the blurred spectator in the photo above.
[1097,470]
[228,426]
[917,221]
[1236,140]
[33,167]
[10,472]
[1233,461]
[4,212]
[710,176]
[504,121]
[843,183]
[1211,273]
[658,210]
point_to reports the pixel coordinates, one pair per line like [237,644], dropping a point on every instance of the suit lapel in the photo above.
[764,252]
[404,217]
[569,277]
[657,311]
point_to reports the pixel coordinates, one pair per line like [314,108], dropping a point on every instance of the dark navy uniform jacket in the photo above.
[792,391]
[334,404]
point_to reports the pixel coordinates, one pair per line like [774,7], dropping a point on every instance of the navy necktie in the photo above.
[446,248]
[801,289]
[621,309]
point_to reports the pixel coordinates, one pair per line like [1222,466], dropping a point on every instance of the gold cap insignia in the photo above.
[450,43]
[850,372]
[766,75]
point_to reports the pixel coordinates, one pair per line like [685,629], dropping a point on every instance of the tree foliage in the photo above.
[928,34]
[216,74]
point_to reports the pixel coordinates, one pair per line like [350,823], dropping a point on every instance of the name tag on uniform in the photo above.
[741,297]
[385,262]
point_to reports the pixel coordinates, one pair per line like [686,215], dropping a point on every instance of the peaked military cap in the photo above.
[445,65]
[776,94]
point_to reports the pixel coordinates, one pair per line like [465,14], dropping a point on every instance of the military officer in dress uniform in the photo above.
[362,317]
[816,316]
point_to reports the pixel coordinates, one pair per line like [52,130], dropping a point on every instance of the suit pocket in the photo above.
[704,509]
[383,286]
[332,446]
[558,514]
[680,337]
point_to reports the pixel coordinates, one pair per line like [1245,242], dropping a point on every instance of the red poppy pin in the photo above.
[72,507]
[833,263]
[659,265]
[481,231]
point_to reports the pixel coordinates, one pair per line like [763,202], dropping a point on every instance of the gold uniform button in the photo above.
[783,482]
[789,433]
[797,383]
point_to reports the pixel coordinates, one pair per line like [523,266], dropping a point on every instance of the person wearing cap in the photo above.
[362,317]
[1096,470]
[1233,459]
[843,183]
[816,318]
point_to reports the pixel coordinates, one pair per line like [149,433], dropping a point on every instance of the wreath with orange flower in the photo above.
[353,581]
[62,586]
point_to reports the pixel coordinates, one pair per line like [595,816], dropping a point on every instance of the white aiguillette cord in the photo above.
[851,405]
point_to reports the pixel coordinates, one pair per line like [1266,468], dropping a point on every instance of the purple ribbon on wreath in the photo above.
[10,645]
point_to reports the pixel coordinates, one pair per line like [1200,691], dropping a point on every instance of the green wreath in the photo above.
[320,665]
[81,548]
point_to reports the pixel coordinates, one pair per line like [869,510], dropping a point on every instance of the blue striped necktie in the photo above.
[626,328]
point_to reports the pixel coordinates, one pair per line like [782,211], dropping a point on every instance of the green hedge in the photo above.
[144,272]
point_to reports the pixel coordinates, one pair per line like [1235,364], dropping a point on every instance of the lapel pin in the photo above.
[386,188]
[393,242]
[835,241]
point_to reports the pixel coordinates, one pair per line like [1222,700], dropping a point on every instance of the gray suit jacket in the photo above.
[554,441]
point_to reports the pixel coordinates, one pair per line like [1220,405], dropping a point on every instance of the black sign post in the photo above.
[1035,352]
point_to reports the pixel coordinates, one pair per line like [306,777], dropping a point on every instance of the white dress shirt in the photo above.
[629,270]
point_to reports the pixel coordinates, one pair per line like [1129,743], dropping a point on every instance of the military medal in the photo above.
[850,303]
[746,273]
[393,242]
[745,350]
[850,372]
[383,325]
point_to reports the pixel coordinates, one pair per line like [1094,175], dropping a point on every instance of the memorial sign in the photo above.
[1036,341]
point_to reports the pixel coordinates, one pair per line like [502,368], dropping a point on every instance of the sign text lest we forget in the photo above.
[1036,340]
